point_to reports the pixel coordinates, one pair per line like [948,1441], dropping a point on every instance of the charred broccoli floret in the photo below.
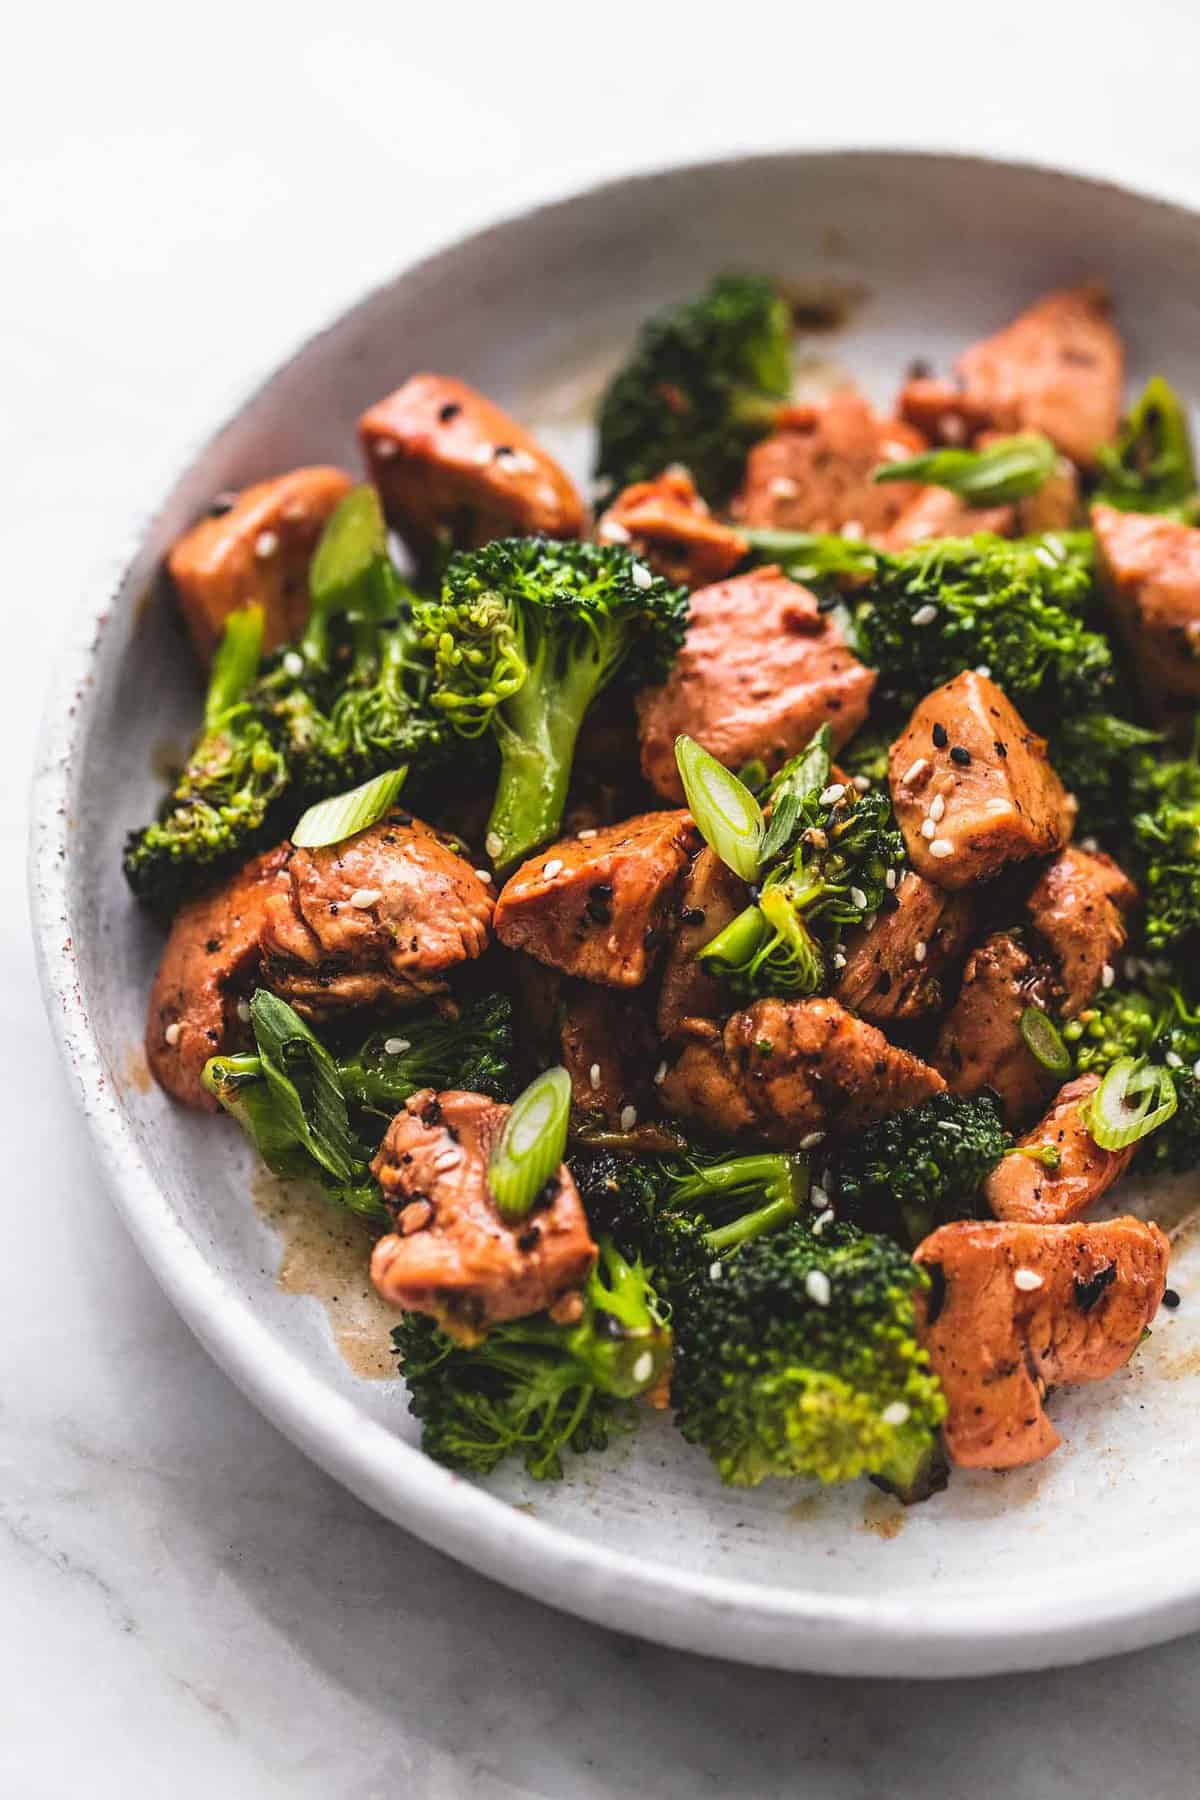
[525,634]
[1166,838]
[914,1170]
[703,384]
[1151,467]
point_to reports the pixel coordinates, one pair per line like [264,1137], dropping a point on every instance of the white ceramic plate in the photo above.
[1094,1551]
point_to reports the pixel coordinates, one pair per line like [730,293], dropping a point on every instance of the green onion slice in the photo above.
[236,662]
[1010,469]
[727,815]
[1044,1039]
[1134,1099]
[343,815]
[532,1144]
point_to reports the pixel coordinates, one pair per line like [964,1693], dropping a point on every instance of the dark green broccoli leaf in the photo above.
[914,1170]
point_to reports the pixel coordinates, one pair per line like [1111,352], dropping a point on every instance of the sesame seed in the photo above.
[826,1218]
[937,807]
[643,1368]
[915,771]
[853,529]
[983,669]
[519,461]
[895,1413]
[243,1011]
[960,756]
[893,451]
[1107,975]
[552,868]
[265,545]
[784,486]
[660,1074]
[1027,1280]
[1090,844]
[816,1286]
[920,950]
[714,1271]
[940,736]
[925,615]
[641,576]
[484,875]
[482,453]
[628,1118]
[172,1033]
[941,847]
[1044,556]
[386,448]
[889,880]
[1173,1059]
[839,959]
[818,1199]
[928,828]
[586,836]
[293,664]
[396,1046]
[446,1160]
[1196,1068]
[613,532]
[594,1076]
[366,897]
[493,845]
[862,785]
[858,898]
[832,794]
[997,805]
[811,1139]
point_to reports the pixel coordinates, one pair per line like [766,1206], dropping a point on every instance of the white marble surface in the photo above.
[188,1606]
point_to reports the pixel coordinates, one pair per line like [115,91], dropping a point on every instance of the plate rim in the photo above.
[1143,1597]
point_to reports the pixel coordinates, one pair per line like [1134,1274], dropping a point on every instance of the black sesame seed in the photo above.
[941,737]
[1170,1298]
[222,503]
[450,411]
[529,1240]
[960,756]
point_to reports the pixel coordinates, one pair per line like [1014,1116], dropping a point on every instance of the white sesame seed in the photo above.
[816,1286]
[172,1033]
[363,898]
[643,1368]
[818,1199]
[1027,1280]
[853,529]
[714,1271]
[1090,844]
[941,847]
[1107,975]
[552,868]
[833,793]
[839,959]
[915,771]
[484,875]
[243,1011]
[892,450]
[920,950]
[1044,556]
[628,1118]
[1173,1059]
[446,1160]
[895,1413]
[811,1139]
[937,807]
[396,1046]
[293,664]
[586,836]
[482,453]
[1196,1068]
[858,898]
[613,532]
[784,486]
[826,1218]
[265,545]
[889,880]
[594,1076]
[925,615]
[928,828]
[641,576]
[997,805]
[386,448]
[493,845]
[519,461]
[862,785]
[983,669]
[660,1074]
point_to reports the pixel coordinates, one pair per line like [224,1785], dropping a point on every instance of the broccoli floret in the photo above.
[823,867]
[801,1358]
[524,636]
[531,1387]
[914,1170]
[473,1051]
[867,754]
[1166,838]
[1151,467]
[703,384]
[1154,1021]
[1095,755]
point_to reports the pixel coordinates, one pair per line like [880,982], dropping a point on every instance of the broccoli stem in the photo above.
[536,730]
[751,1225]
[739,941]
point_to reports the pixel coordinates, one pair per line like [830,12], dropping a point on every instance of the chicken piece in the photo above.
[1022,1188]
[972,785]
[381,917]
[761,668]
[600,1035]
[1056,369]
[209,963]
[785,1068]
[1017,1308]
[1076,908]
[935,512]
[668,524]
[255,552]
[710,898]
[1055,506]
[451,1254]
[814,472]
[451,466]
[980,1044]
[596,906]
[1150,571]
[893,969]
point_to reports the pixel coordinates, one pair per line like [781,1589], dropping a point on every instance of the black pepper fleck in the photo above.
[450,411]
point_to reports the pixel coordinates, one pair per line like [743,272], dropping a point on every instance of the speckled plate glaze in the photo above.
[1095,1551]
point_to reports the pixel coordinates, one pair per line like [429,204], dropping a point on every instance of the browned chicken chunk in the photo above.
[601,1036]
[383,916]
[814,472]
[710,898]
[451,1254]
[972,785]
[1077,907]
[1015,1309]
[1150,568]
[668,524]
[783,1069]
[451,466]
[595,905]
[210,962]
[760,669]
[255,552]
[980,1044]
[893,969]
[1024,1188]
[1056,369]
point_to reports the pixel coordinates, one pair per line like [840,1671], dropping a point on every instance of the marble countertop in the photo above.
[189,1606]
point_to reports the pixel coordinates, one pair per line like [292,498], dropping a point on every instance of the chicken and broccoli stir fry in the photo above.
[725,944]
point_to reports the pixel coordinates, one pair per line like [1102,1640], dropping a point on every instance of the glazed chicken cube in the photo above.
[668,524]
[1028,1189]
[1077,908]
[814,472]
[1150,570]
[972,785]
[711,897]
[893,967]
[980,1043]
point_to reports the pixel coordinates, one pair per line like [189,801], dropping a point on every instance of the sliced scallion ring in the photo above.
[727,815]
[532,1144]
[343,815]
[1134,1099]
[1044,1040]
